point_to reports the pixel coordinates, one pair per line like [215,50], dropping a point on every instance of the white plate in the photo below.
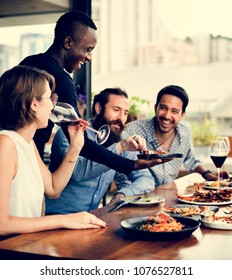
[144,201]
[210,185]
[217,225]
[214,188]
[205,203]
[169,210]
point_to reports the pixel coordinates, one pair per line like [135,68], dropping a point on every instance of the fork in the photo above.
[124,203]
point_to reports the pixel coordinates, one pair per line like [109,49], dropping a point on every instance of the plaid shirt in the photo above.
[182,143]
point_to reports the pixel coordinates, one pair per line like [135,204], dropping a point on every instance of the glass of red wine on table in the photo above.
[218,151]
[64,114]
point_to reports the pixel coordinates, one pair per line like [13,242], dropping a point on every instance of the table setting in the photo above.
[206,197]
[127,235]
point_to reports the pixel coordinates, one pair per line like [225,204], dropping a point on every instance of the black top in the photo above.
[66,90]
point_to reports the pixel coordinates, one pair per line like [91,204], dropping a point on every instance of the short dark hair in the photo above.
[176,91]
[103,97]
[18,87]
[73,24]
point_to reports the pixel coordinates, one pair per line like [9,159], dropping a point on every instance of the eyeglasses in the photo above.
[54,98]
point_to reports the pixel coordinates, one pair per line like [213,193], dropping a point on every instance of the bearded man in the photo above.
[90,180]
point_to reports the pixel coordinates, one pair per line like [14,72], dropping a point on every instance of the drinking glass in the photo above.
[227,141]
[64,114]
[218,153]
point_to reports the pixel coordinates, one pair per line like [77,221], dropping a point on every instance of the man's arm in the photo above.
[137,182]
[209,175]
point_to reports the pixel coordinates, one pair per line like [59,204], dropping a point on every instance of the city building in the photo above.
[34,43]
[136,52]
[8,57]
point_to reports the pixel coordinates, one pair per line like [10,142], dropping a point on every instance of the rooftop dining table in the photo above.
[114,243]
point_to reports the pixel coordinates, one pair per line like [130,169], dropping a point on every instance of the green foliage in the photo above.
[203,133]
[136,105]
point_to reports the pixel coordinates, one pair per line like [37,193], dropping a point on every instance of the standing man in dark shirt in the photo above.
[75,38]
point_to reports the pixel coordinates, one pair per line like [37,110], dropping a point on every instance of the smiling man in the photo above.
[75,37]
[169,127]
[74,40]
[90,181]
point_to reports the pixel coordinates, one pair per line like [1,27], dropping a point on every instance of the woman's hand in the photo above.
[82,220]
[76,134]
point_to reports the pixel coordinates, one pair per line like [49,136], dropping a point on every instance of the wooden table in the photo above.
[114,243]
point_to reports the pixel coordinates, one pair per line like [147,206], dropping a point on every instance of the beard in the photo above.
[115,134]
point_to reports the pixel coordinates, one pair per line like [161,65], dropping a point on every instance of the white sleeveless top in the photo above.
[27,188]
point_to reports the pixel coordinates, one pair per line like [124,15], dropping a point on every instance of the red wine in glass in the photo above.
[218,160]
[65,122]
[64,114]
[218,153]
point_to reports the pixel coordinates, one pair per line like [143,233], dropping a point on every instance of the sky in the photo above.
[181,17]
[189,17]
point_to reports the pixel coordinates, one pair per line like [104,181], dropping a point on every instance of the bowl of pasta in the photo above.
[161,226]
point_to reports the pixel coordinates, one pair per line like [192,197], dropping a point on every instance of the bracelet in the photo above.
[205,173]
[69,160]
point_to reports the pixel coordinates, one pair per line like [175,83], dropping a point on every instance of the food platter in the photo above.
[188,210]
[213,185]
[207,197]
[203,203]
[132,226]
[159,156]
[220,220]
[209,187]
[146,201]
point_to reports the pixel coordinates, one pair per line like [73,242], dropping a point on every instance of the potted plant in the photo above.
[136,109]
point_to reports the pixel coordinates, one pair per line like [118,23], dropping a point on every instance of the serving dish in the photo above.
[216,225]
[207,197]
[203,203]
[218,220]
[132,226]
[188,210]
[159,156]
[213,185]
[149,200]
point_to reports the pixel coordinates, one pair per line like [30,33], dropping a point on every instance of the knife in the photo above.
[125,202]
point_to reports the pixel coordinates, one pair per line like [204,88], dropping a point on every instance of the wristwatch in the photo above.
[205,173]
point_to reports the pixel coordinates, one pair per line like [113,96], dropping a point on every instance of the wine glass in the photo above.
[218,153]
[64,114]
[227,141]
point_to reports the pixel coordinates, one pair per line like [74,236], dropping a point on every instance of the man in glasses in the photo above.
[74,40]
